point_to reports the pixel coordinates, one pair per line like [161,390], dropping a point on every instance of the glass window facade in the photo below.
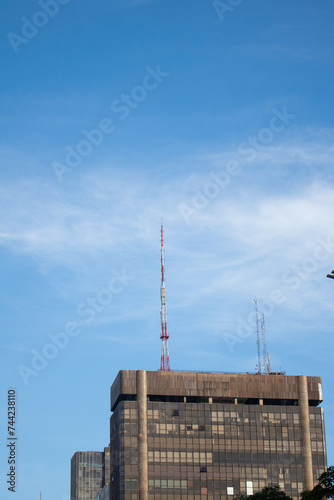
[213,449]
[216,447]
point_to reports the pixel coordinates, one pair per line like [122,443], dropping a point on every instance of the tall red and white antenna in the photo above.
[164,364]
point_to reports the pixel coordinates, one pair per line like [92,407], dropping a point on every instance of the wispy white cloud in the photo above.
[246,237]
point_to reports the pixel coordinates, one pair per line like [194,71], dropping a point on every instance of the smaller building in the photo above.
[90,472]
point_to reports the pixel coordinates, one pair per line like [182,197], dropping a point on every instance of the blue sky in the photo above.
[113,116]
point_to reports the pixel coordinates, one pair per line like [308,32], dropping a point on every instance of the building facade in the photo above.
[90,472]
[180,435]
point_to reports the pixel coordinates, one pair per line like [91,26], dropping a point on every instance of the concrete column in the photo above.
[305,434]
[141,383]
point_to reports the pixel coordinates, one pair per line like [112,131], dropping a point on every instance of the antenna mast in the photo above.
[268,363]
[264,346]
[263,363]
[164,364]
[259,363]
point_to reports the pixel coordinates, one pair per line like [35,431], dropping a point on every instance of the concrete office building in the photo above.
[181,435]
[90,472]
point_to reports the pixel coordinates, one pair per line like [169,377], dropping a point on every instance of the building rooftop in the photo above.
[219,387]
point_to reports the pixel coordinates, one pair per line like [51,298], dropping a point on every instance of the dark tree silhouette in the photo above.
[267,493]
[324,488]
[321,491]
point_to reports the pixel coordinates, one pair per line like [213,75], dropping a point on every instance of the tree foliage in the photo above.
[324,488]
[267,493]
[270,493]
[321,491]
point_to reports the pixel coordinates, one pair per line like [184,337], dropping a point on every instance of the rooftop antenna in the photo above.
[164,364]
[257,331]
[265,354]
[263,363]
[268,363]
